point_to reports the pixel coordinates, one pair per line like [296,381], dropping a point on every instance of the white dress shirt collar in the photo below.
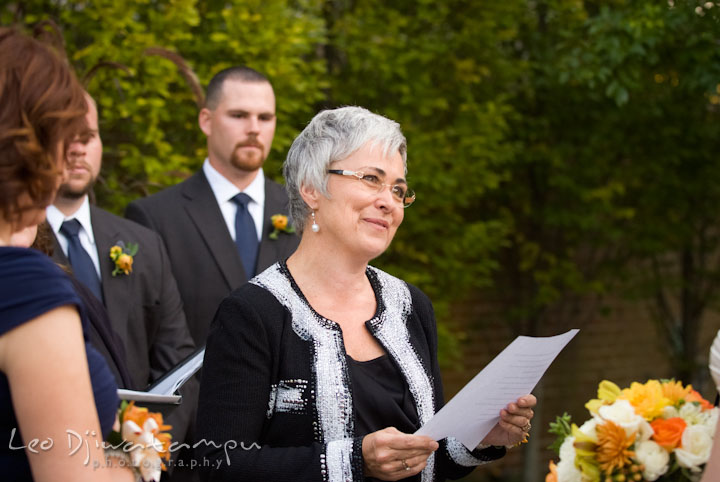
[55,218]
[224,191]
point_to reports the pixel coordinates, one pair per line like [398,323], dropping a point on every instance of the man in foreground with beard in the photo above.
[136,287]
[217,224]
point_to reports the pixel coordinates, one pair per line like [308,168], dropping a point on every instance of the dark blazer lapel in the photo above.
[205,213]
[269,248]
[116,289]
[58,256]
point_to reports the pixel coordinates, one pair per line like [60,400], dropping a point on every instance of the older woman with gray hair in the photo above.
[322,367]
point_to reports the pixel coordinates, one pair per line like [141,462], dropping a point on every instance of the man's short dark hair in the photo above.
[241,73]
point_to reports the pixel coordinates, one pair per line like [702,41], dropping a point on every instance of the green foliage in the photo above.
[562,429]
[436,68]
[441,70]
[148,112]
[622,123]
[561,150]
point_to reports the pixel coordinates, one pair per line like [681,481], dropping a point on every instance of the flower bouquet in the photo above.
[141,438]
[659,430]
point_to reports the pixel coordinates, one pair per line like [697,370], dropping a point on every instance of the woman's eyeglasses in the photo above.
[400,192]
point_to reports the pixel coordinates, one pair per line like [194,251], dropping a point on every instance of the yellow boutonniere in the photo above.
[281,225]
[122,256]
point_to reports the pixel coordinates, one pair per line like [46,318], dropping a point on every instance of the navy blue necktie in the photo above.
[81,262]
[245,234]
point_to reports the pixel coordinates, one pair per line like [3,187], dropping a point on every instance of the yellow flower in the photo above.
[675,392]
[584,444]
[279,221]
[613,450]
[115,251]
[585,447]
[588,467]
[608,392]
[648,399]
[122,256]
[124,263]
[594,405]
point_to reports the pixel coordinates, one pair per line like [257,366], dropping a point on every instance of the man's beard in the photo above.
[67,191]
[248,163]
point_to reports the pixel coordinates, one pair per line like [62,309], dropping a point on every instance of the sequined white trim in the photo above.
[461,455]
[290,396]
[391,330]
[338,460]
[271,402]
[333,398]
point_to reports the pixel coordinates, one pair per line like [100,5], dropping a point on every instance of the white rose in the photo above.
[669,412]
[645,431]
[589,428]
[691,413]
[654,458]
[712,419]
[709,418]
[567,451]
[622,413]
[566,470]
[695,448]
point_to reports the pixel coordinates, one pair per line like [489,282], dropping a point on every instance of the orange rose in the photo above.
[279,221]
[668,432]
[694,396]
[124,263]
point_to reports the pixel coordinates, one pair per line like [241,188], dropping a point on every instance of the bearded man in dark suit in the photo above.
[217,224]
[139,292]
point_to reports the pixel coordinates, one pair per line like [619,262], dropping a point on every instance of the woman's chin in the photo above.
[374,247]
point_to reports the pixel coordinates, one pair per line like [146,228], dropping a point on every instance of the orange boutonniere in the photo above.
[280,225]
[122,256]
[143,438]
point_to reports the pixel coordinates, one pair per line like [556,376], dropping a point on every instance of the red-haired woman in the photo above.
[57,396]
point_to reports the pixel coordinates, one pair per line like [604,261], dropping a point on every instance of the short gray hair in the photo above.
[334,135]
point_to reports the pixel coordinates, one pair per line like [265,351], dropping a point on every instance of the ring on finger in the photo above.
[405,465]
[526,427]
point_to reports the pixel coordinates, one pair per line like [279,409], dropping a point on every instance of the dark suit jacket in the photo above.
[203,256]
[145,309]
[103,336]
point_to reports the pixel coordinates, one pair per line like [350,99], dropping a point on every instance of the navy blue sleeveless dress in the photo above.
[30,285]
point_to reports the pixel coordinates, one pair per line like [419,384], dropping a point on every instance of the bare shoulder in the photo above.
[59,323]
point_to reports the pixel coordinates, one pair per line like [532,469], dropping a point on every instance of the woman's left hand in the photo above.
[514,424]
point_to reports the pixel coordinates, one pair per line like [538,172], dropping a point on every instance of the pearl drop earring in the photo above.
[315,228]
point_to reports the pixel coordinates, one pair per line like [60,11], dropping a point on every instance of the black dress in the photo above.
[381,398]
[31,285]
